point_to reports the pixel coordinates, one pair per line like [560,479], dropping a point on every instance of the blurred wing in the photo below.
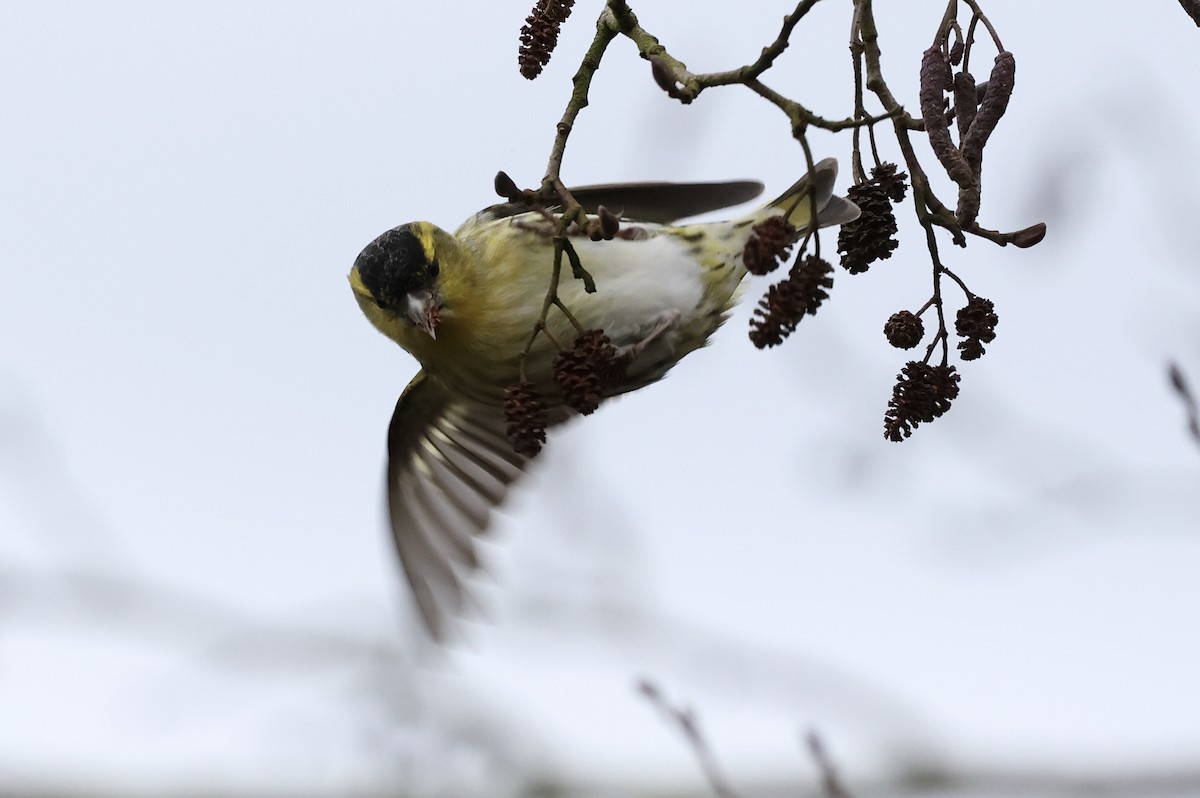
[449,465]
[660,203]
[664,203]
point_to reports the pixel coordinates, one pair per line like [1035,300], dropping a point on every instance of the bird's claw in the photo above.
[668,321]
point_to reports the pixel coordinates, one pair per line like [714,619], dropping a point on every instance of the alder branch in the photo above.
[948,96]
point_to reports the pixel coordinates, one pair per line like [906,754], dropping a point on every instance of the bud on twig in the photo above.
[666,81]
[610,225]
[506,188]
[1030,236]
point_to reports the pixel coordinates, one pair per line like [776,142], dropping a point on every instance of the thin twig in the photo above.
[607,29]
[685,720]
[975,110]
[987,23]
[766,60]
[943,335]
[1180,384]
[831,783]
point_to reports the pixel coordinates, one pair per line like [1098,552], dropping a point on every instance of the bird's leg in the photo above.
[669,320]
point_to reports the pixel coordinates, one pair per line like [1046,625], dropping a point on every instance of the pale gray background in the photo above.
[196,591]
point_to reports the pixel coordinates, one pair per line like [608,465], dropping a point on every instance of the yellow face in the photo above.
[395,280]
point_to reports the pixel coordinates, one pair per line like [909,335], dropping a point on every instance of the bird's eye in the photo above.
[434,269]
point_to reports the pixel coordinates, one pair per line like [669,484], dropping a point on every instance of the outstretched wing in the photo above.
[660,203]
[449,465]
[664,203]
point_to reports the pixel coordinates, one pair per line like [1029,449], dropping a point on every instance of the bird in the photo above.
[466,306]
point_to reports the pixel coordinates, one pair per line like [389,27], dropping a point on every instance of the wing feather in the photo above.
[659,203]
[449,465]
[664,203]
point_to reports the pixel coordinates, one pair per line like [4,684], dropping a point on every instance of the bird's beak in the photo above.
[424,311]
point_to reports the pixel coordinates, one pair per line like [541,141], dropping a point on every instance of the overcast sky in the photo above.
[195,582]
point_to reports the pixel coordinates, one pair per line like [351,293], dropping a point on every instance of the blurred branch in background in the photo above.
[684,719]
[361,694]
[1180,384]
[830,780]
[922,780]
[124,604]
[73,603]
[88,575]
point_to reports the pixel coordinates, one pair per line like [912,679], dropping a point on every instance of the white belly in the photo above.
[638,284]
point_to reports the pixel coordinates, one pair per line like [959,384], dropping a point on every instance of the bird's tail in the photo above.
[815,189]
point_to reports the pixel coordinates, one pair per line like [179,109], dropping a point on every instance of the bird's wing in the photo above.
[660,203]
[664,203]
[449,465]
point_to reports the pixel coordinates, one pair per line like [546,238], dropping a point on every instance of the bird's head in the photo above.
[395,279]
